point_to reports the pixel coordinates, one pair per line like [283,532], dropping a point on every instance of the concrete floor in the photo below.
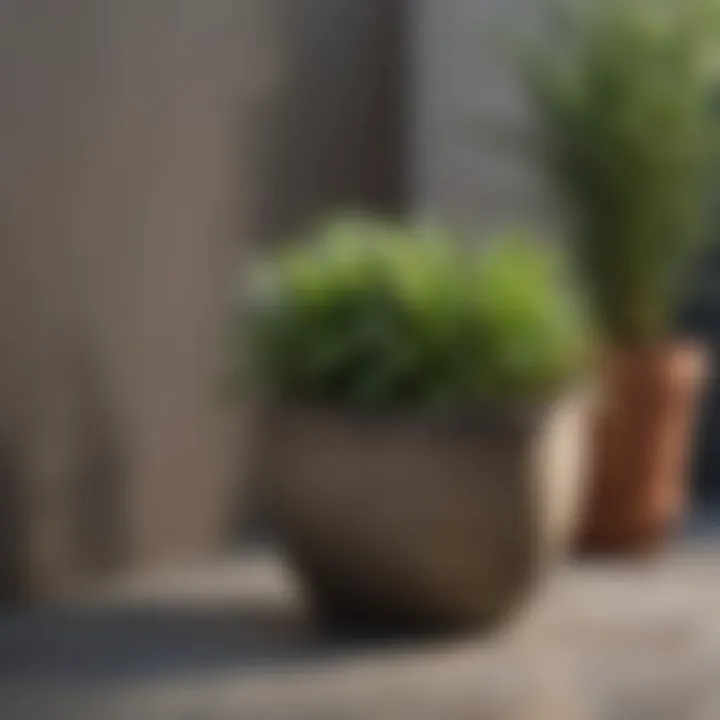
[630,641]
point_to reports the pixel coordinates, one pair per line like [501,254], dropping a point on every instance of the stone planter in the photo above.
[440,523]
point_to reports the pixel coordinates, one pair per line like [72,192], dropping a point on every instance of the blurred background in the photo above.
[150,149]
[147,149]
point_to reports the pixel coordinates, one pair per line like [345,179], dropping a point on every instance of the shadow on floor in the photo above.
[147,642]
[137,642]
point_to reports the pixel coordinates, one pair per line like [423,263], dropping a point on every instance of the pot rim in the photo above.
[521,412]
[684,357]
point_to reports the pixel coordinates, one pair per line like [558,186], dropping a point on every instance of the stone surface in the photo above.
[604,641]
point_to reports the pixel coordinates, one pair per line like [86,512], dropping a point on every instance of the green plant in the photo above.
[371,313]
[623,93]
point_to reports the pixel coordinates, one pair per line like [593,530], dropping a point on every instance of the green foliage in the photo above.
[623,91]
[371,313]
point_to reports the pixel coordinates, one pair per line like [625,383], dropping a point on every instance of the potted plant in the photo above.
[423,450]
[622,93]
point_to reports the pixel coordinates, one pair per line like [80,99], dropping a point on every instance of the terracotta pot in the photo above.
[641,447]
[405,522]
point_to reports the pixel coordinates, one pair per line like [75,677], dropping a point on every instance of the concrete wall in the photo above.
[468,114]
[146,146]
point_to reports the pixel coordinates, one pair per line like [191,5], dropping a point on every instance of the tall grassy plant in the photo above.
[372,314]
[623,94]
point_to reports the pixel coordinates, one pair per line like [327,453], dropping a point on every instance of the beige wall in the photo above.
[146,146]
